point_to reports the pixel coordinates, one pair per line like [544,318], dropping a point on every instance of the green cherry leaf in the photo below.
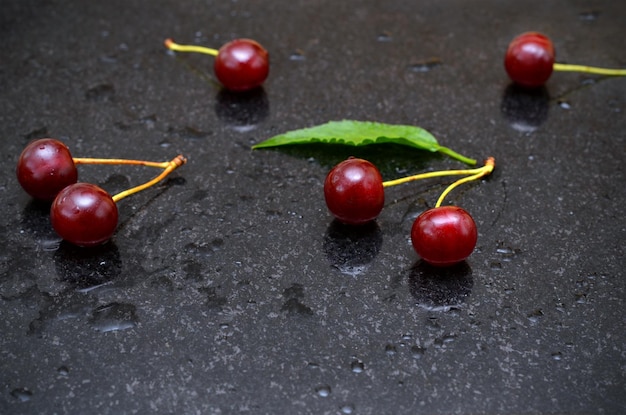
[362,133]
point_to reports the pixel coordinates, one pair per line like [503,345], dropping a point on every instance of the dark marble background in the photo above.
[229,289]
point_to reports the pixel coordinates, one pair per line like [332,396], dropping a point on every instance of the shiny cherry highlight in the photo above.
[241,65]
[529,59]
[45,167]
[84,214]
[354,191]
[444,236]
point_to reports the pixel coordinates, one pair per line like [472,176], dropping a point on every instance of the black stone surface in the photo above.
[229,289]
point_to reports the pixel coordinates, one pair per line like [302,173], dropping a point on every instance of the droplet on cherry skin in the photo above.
[45,167]
[84,214]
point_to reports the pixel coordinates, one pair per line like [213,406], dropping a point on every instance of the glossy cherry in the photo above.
[354,191]
[84,214]
[241,65]
[529,59]
[45,167]
[444,236]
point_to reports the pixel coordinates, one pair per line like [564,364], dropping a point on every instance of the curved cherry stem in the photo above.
[431,174]
[171,45]
[485,170]
[89,160]
[563,67]
[170,166]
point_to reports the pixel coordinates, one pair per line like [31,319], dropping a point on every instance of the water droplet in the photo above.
[313,365]
[323,390]
[589,15]
[391,350]
[384,36]
[347,409]
[557,356]
[564,104]
[63,371]
[114,316]
[297,55]
[425,66]
[22,394]
[535,315]
[165,144]
[357,366]
[495,266]
[417,352]
[509,290]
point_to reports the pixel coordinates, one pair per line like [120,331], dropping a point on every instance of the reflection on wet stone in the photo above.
[36,221]
[87,268]
[525,109]
[242,111]
[114,316]
[351,248]
[440,288]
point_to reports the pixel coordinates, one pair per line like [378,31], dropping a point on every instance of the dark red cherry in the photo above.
[241,64]
[444,236]
[84,214]
[354,191]
[45,167]
[529,59]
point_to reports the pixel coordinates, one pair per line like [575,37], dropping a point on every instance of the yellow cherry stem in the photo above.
[171,45]
[89,160]
[432,174]
[485,170]
[170,166]
[588,69]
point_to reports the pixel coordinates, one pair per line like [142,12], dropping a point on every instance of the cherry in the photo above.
[240,65]
[45,167]
[84,214]
[444,236]
[354,191]
[529,59]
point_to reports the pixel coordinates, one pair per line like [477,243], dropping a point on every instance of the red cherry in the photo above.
[84,214]
[241,64]
[529,60]
[354,191]
[444,236]
[45,167]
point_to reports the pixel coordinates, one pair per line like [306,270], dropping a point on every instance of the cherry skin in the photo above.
[84,214]
[529,60]
[45,167]
[241,65]
[354,191]
[444,236]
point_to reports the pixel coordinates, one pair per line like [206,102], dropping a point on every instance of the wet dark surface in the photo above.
[230,289]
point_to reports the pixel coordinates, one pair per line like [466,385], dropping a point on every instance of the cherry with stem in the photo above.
[86,215]
[530,60]
[240,65]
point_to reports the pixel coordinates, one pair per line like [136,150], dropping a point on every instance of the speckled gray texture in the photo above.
[229,289]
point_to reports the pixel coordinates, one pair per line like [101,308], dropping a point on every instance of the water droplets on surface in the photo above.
[417,352]
[347,409]
[425,66]
[589,15]
[357,366]
[323,391]
[63,371]
[535,315]
[22,394]
[384,36]
[297,55]
[390,350]
[557,356]
[114,316]
[564,104]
